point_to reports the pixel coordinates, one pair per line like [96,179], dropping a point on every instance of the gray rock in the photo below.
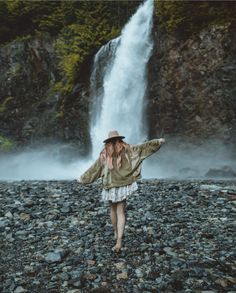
[211,187]
[173,250]
[52,257]
[4,222]
[224,172]
[139,273]
[9,215]
[170,251]
[19,289]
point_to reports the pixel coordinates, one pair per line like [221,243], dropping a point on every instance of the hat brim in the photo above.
[114,137]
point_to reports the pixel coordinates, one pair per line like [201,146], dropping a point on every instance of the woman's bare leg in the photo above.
[120,211]
[113,214]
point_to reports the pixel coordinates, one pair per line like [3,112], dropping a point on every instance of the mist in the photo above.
[55,162]
[182,160]
[50,162]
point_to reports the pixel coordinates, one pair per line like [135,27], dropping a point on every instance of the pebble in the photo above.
[53,257]
[123,275]
[4,222]
[9,215]
[120,266]
[58,238]
[19,289]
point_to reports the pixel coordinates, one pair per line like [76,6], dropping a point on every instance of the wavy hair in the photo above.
[115,150]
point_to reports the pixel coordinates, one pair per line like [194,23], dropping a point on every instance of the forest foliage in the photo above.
[26,17]
[189,17]
[80,28]
[6,144]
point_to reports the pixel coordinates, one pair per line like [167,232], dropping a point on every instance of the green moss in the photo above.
[6,144]
[79,41]
[57,86]
[60,114]
[3,104]
[189,17]
[62,87]
[80,27]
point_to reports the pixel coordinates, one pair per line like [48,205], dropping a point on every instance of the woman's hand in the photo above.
[162,140]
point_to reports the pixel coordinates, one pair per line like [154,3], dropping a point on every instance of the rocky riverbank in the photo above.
[56,236]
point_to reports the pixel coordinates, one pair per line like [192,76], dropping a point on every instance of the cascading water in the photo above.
[118,82]
[118,86]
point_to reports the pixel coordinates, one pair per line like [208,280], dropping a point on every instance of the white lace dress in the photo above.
[116,194]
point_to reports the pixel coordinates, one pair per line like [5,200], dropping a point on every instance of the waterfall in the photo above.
[118,81]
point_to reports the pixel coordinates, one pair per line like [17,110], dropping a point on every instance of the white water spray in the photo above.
[119,102]
[118,87]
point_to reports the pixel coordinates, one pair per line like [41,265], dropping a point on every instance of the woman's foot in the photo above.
[118,246]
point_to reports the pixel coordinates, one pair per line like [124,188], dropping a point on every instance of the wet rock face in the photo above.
[31,108]
[56,236]
[192,85]
[225,172]
[27,67]
[191,91]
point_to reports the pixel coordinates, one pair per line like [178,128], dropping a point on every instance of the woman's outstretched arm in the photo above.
[149,147]
[92,174]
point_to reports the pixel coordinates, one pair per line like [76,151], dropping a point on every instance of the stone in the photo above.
[120,266]
[76,284]
[65,209]
[169,251]
[224,172]
[3,222]
[90,276]
[24,216]
[9,215]
[29,203]
[198,118]
[222,282]
[122,276]
[19,289]
[173,251]
[139,273]
[91,262]
[211,187]
[52,257]
[9,237]
[76,274]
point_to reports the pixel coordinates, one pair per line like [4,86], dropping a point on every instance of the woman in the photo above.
[119,166]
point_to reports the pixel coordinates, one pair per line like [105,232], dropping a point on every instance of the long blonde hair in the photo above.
[115,148]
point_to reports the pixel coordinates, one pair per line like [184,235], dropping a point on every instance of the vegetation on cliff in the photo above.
[48,47]
[189,17]
[80,28]
[6,144]
[3,104]
[78,42]
[23,17]
[83,26]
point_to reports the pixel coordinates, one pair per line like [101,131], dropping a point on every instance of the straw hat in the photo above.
[113,134]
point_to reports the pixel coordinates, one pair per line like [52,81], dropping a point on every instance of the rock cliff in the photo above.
[32,109]
[191,90]
[192,85]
